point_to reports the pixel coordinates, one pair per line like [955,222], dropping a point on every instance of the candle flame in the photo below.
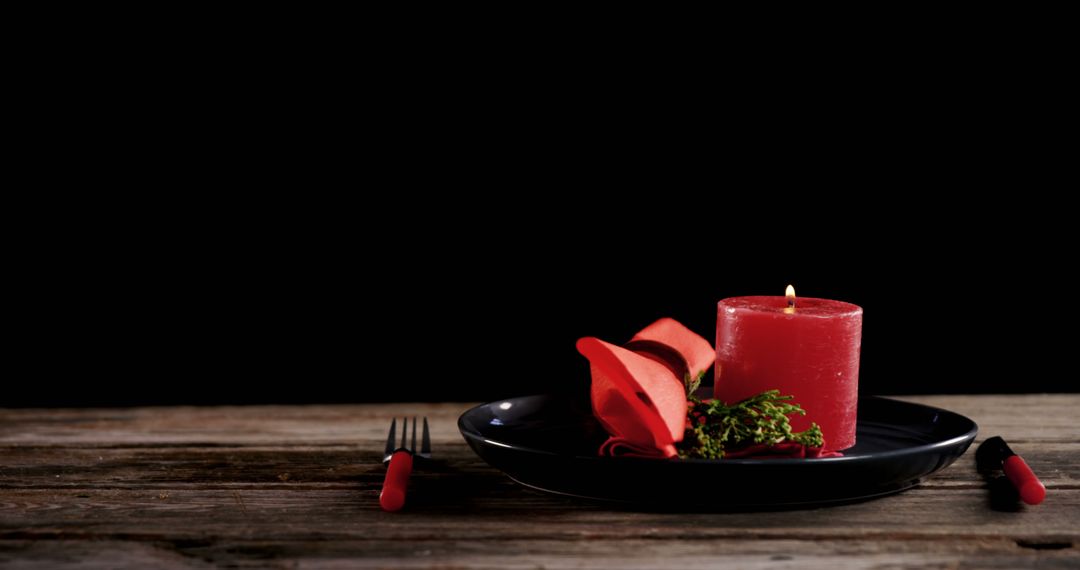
[790,294]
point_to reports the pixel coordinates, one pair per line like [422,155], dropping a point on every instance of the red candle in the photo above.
[805,347]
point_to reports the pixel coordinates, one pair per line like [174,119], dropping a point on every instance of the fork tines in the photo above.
[425,438]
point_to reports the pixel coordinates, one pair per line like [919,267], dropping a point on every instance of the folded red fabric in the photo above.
[638,392]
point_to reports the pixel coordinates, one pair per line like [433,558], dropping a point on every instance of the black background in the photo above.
[474,300]
[316,223]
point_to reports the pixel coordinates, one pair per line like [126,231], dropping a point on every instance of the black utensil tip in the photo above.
[1003,496]
[991,453]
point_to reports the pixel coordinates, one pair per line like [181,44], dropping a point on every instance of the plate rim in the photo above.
[785,505]
[967,436]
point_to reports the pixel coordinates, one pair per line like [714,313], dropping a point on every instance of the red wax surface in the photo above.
[810,352]
[1031,490]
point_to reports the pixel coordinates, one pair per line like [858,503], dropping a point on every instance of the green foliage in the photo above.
[761,419]
[692,382]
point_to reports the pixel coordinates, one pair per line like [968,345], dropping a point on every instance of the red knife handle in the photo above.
[1031,490]
[392,497]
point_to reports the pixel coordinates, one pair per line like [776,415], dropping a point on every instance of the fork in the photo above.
[400,463]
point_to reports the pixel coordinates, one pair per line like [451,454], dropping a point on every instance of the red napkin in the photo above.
[638,393]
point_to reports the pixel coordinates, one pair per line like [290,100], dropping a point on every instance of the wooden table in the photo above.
[298,486]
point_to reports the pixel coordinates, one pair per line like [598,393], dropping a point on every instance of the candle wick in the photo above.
[791,303]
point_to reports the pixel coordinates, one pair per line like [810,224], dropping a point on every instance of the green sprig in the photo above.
[761,419]
[691,383]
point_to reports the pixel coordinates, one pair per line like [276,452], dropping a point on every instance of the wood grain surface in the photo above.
[288,487]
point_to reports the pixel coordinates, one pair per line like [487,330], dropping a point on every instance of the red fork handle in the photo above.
[1032,491]
[392,497]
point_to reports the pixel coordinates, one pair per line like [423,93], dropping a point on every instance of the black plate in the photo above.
[550,443]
